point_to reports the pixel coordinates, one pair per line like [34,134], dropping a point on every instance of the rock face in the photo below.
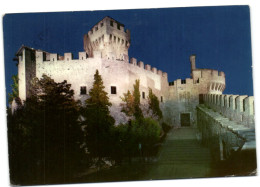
[106,50]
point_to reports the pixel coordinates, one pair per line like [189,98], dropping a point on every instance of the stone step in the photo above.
[175,163]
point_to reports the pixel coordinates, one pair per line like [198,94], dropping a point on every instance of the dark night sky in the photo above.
[164,38]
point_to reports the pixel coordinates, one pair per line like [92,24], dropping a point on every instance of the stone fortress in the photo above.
[106,49]
[226,122]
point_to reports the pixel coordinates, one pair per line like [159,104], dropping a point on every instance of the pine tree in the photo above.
[131,105]
[137,110]
[154,106]
[15,91]
[50,135]
[98,120]
[128,105]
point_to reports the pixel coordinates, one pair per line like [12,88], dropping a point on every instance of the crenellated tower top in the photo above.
[110,38]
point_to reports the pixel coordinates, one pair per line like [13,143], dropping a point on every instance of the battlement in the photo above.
[107,21]
[148,67]
[206,73]
[180,82]
[109,37]
[237,108]
[42,56]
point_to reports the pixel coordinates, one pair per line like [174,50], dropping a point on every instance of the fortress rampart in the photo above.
[227,127]
[106,50]
[236,108]
[43,57]
[120,74]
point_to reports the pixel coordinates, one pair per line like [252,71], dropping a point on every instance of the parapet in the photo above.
[83,55]
[206,73]
[148,67]
[165,74]
[42,56]
[108,22]
[238,108]
[140,64]
[159,72]
[214,72]
[133,61]
[53,57]
[221,73]
[68,56]
[154,70]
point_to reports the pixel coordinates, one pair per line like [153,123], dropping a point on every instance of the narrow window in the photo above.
[111,23]
[110,37]
[183,81]
[83,90]
[118,41]
[102,24]
[96,28]
[113,90]
[114,38]
[161,98]
[118,26]
[143,95]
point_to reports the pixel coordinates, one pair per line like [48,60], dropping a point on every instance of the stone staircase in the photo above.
[181,156]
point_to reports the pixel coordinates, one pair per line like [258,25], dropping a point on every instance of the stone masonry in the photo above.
[106,50]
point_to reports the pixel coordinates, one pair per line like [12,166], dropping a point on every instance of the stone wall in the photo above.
[80,72]
[229,140]
[183,95]
[236,108]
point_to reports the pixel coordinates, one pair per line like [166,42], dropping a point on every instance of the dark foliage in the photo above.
[99,122]
[131,105]
[45,137]
[154,106]
[15,93]
[136,139]
[166,128]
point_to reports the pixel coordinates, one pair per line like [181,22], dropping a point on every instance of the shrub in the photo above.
[127,138]
[166,127]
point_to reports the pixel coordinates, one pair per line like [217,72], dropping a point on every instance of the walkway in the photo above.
[181,156]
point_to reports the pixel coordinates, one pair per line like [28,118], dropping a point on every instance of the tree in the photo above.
[154,106]
[15,91]
[146,132]
[128,106]
[131,105]
[51,137]
[137,110]
[98,120]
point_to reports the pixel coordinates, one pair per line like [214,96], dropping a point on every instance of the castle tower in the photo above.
[109,38]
